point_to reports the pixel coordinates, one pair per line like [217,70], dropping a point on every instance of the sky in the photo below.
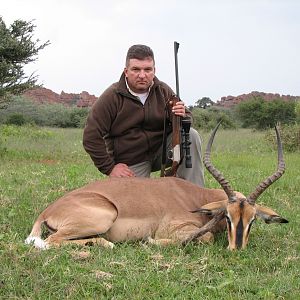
[227,47]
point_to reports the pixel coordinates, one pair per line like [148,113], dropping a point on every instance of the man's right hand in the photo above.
[121,170]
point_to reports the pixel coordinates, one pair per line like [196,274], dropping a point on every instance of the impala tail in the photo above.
[34,237]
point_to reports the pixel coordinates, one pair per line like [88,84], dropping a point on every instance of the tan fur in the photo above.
[122,209]
[159,210]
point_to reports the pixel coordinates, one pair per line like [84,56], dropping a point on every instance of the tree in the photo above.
[262,114]
[17,48]
[204,102]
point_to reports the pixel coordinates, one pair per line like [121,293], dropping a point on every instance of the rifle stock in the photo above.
[175,153]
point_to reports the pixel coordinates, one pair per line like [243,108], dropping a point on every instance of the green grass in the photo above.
[36,168]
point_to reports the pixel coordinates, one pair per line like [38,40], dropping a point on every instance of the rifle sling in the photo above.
[164,145]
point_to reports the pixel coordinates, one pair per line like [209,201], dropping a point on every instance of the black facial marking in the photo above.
[239,234]
[249,227]
[242,204]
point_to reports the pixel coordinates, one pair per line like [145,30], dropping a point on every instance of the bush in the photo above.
[21,110]
[297,111]
[78,117]
[290,137]
[207,119]
[16,119]
[261,114]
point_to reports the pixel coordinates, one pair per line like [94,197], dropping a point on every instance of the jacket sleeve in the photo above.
[97,128]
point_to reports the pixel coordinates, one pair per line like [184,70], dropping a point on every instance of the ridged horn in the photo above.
[213,171]
[271,179]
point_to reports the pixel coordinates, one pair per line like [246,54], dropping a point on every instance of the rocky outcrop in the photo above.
[84,99]
[230,101]
[43,95]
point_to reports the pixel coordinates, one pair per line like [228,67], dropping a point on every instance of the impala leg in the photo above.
[57,240]
[177,232]
[161,242]
[186,231]
[81,226]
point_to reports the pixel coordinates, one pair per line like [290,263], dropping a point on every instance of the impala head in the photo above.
[241,211]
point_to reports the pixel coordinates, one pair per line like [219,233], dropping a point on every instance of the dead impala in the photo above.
[160,210]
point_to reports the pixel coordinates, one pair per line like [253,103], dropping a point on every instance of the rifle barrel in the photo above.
[176,47]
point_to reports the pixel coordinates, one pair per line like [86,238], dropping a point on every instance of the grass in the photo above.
[36,168]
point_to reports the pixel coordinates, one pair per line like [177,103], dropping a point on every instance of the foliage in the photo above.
[204,102]
[16,119]
[24,131]
[290,136]
[17,49]
[206,119]
[36,172]
[53,115]
[297,111]
[261,114]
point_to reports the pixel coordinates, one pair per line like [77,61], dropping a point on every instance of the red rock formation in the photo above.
[230,101]
[43,95]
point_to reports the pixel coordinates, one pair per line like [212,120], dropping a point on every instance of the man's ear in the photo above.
[212,208]
[269,215]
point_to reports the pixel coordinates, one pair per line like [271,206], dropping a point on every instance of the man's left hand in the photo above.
[179,109]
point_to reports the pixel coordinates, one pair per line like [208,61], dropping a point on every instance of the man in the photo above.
[124,130]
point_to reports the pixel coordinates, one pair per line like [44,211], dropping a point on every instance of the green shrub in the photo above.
[290,136]
[16,119]
[297,111]
[21,110]
[261,114]
[78,117]
[206,119]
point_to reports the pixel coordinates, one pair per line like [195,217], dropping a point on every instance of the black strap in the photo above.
[164,144]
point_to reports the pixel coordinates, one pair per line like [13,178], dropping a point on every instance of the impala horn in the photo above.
[271,179]
[214,172]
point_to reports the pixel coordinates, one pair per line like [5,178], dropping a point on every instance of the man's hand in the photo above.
[178,109]
[121,170]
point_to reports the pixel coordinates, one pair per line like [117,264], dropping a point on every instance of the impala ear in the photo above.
[269,215]
[212,208]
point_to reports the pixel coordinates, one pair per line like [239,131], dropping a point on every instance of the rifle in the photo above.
[180,128]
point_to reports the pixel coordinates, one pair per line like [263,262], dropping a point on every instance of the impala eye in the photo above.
[228,220]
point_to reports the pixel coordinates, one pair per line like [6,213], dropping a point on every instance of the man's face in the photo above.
[140,74]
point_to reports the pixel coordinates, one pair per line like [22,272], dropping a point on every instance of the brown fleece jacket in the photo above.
[118,121]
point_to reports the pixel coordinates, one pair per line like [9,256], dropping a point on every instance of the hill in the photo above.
[44,95]
[230,101]
[84,99]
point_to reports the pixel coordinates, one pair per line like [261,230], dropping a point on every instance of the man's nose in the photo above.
[142,74]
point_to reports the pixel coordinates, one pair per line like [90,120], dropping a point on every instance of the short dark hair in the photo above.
[139,52]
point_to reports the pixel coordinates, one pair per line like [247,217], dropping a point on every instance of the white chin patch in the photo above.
[37,242]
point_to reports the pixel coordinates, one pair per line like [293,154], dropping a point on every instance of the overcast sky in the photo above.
[226,47]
